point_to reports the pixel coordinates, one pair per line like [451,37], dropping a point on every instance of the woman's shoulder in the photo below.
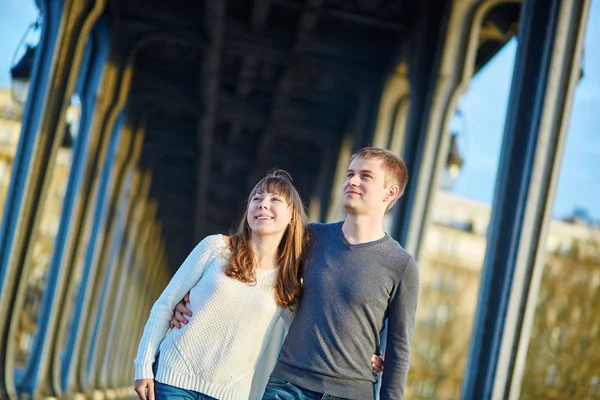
[216,247]
[216,241]
[226,240]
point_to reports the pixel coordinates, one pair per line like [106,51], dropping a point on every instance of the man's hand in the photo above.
[180,312]
[144,389]
[377,363]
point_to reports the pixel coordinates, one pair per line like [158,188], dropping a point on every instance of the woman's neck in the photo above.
[265,250]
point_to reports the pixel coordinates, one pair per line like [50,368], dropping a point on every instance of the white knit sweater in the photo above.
[217,351]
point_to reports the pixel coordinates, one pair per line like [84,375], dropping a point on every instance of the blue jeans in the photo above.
[283,390]
[162,391]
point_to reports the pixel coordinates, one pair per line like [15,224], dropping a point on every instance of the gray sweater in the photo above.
[349,291]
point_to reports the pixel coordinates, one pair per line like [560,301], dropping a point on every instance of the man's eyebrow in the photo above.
[368,171]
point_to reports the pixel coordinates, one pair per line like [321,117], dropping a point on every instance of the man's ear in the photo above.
[392,193]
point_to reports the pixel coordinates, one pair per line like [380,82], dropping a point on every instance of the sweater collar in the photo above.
[340,234]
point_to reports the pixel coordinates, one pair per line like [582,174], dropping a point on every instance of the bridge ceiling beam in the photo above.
[233,88]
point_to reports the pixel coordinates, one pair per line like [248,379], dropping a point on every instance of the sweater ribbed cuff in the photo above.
[143,371]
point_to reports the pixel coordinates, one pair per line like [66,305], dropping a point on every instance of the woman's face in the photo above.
[268,214]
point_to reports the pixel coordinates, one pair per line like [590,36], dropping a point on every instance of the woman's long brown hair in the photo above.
[241,264]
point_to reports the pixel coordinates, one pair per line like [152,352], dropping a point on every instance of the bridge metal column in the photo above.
[546,71]
[108,304]
[96,214]
[56,67]
[123,201]
[40,376]
[96,151]
[393,109]
[10,270]
[96,349]
[422,57]
[150,287]
[115,333]
[77,194]
[440,71]
[141,284]
[441,65]
[124,312]
[359,133]
[102,240]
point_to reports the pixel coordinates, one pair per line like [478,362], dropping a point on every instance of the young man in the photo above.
[355,277]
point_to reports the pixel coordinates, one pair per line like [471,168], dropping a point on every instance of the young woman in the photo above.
[239,287]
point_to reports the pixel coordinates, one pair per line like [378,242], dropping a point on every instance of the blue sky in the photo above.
[484,108]
[15,17]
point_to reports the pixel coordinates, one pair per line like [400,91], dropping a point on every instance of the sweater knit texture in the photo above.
[217,351]
[349,292]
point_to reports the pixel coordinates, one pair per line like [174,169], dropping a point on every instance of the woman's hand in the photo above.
[180,312]
[377,363]
[144,389]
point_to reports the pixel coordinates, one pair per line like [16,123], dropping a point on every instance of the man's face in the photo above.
[364,189]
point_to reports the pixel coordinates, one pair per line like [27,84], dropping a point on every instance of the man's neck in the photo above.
[362,228]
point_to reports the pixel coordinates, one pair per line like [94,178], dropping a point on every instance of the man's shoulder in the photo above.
[319,227]
[398,256]
[397,249]
[323,225]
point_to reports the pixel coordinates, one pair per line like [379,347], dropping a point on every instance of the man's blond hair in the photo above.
[393,166]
